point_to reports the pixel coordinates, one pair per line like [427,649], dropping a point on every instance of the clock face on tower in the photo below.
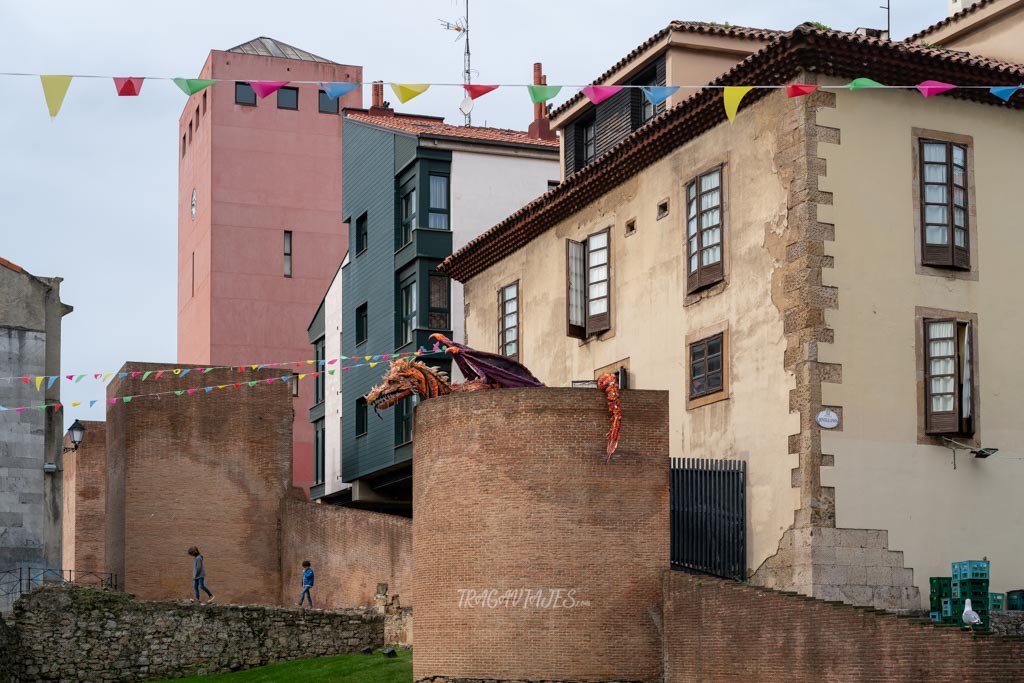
[193,204]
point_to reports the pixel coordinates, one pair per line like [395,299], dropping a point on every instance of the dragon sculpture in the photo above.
[482,370]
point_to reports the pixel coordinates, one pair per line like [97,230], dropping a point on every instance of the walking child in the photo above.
[199,574]
[307,583]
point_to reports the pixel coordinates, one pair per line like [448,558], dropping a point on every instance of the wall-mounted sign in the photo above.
[827,419]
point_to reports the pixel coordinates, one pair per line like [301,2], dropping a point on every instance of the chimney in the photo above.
[540,129]
[378,106]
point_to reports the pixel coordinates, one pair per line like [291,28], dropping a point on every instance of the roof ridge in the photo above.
[278,46]
[977,5]
[437,127]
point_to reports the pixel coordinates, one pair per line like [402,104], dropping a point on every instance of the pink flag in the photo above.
[930,88]
[264,88]
[599,93]
[128,87]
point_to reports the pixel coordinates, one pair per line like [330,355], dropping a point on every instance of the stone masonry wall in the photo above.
[352,551]
[718,631]
[1008,623]
[8,652]
[86,635]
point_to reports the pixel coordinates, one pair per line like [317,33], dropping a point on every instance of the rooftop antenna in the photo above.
[461,27]
[888,18]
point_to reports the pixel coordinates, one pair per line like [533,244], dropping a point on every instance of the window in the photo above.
[328,105]
[183,138]
[362,324]
[408,216]
[508,320]
[438,317]
[552,184]
[193,273]
[204,102]
[288,98]
[588,286]
[438,217]
[646,107]
[409,307]
[588,142]
[295,385]
[362,234]
[630,227]
[944,205]
[707,368]
[403,420]
[362,423]
[704,231]
[244,94]
[190,132]
[197,118]
[287,253]
[949,376]
[321,370]
[318,452]
[662,209]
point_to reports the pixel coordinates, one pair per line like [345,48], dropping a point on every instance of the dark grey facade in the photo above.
[394,298]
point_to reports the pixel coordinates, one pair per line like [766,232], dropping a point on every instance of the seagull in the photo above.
[970,617]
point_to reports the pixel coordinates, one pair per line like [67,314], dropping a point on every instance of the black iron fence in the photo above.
[708,503]
[15,582]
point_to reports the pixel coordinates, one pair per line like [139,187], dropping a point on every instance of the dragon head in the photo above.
[405,378]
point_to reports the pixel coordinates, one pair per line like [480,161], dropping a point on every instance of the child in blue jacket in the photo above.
[307,583]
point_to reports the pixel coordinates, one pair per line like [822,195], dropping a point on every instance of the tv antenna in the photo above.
[461,27]
[888,18]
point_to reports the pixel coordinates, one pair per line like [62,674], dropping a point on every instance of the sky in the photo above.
[91,196]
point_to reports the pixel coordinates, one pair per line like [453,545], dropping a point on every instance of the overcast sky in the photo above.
[91,197]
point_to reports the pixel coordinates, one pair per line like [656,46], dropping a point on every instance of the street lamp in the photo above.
[76,431]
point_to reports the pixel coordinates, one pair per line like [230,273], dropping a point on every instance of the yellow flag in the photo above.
[222,386]
[75,404]
[54,89]
[407,91]
[732,97]
[106,376]
[372,364]
[39,382]
[302,376]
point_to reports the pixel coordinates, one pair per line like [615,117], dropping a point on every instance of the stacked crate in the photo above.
[1015,600]
[940,597]
[970,581]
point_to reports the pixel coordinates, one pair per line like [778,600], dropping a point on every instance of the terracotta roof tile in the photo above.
[828,53]
[11,266]
[433,126]
[743,32]
[950,19]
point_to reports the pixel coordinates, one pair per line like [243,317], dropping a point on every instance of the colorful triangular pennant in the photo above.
[265,88]
[732,96]
[863,84]
[407,91]
[475,91]
[800,89]
[599,93]
[543,93]
[656,94]
[54,90]
[1004,92]
[128,87]
[336,90]
[932,88]
[190,86]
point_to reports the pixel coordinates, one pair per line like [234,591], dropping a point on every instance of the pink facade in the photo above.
[258,171]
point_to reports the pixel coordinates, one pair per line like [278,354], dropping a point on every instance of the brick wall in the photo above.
[351,552]
[722,631]
[209,470]
[85,494]
[512,493]
[80,634]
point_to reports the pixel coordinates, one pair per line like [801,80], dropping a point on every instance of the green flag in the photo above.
[542,93]
[863,84]
[190,86]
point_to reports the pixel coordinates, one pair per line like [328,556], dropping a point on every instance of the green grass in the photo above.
[355,668]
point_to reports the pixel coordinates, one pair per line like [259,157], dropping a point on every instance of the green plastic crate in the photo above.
[997,601]
[941,584]
[1015,600]
[971,569]
[970,588]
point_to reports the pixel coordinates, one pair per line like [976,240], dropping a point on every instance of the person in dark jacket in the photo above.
[307,583]
[199,574]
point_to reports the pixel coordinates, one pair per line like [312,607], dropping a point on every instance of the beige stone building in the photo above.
[849,250]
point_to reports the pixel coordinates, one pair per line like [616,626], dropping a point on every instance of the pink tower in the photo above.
[259,213]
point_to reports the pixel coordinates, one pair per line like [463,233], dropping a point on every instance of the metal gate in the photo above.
[708,503]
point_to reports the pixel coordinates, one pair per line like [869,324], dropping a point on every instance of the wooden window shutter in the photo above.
[692,251]
[599,284]
[575,289]
[569,143]
[941,376]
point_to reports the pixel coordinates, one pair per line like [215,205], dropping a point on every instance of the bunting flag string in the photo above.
[112,400]
[38,380]
[55,88]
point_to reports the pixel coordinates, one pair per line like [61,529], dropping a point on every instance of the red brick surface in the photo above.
[209,470]
[722,631]
[351,552]
[512,492]
[85,494]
